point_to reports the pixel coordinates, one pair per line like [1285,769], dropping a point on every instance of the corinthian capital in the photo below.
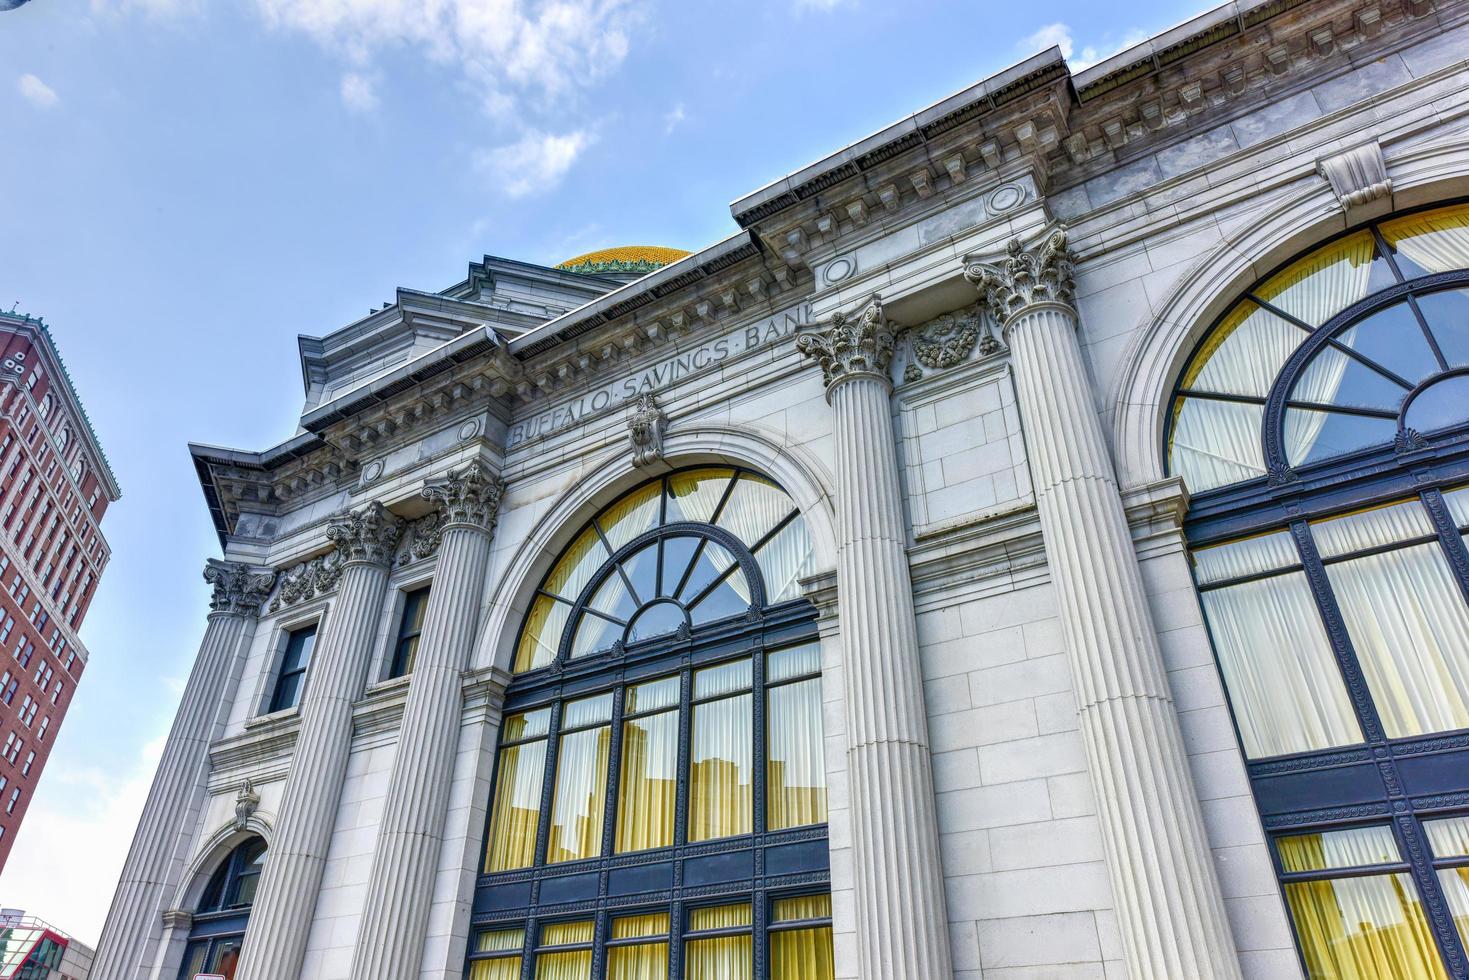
[858,342]
[238,588]
[369,534]
[1025,277]
[470,495]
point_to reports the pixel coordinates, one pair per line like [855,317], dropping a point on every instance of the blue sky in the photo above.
[189,184]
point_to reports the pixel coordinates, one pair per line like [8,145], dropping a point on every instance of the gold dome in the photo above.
[624,258]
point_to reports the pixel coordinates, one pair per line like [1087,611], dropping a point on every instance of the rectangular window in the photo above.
[1277,662]
[410,626]
[638,947]
[25,770]
[795,781]
[647,791]
[294,661]
[718,944]
[1351,922]
[496,954]
[519,778]
[1407,619]
[41,732]
[14,799]
[721,797]
[580,803]
[800,939]
[1449,839]
[565,951]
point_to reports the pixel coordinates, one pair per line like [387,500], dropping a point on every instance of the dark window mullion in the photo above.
[1440,921]
[1336,344]
[685,761]
[1391,258]
[724,499]
[1371,413]
[614,773]
[689,571]
[1336,631]
[1379,549]
[758,747]
[1221,396]
[1449,538]
[780,526]
[548,786]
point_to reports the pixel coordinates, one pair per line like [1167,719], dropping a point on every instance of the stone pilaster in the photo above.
[275,943]
[150,876]
[395,922]
[902,927]
[1164,885]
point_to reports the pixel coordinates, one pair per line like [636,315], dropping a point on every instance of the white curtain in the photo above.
[796,764]
[1278,667]
[721,798]
[784,560]
[1216,443]
[1359,847]
[1372,528]
[1320,383]
[1252,556]
[1321,285]
[1245,353]
[755,506]
[1449,837]
[1435,241]
[1410,628]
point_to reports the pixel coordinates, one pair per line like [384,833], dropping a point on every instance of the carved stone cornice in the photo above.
[850,344]
[308,580]
[468,496]
[367,535]
[1042,275]
[238,588]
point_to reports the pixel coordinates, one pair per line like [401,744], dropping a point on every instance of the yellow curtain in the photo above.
[571,964]
[796,763]
[1367,928]
[721,797]
[504,968]
[512,842]
[580,803]
[644,961]
[1360,847]
[648,784]
[801,954]
[802,908]
[1435,241]
[723,957]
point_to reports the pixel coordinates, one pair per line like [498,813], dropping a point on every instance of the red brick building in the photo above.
[55,485]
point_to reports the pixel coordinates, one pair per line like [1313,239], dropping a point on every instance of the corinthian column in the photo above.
[1163,882]
[275,942]
[151,874]
[390,939]
[902,928]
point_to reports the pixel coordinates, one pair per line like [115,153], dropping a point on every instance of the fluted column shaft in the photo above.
[280,921]
[154,862]
[395,922]
[1169,904]
[902,925]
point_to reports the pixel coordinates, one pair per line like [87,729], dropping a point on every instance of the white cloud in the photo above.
[673,118]
[65,864]
[358,92]
[534,164]
[819,4]
[1060,36]
[36,92]
[506,50]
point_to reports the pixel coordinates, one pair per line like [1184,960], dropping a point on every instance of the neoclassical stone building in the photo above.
[1032,546]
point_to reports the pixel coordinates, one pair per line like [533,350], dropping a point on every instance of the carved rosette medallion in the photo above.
[1025,277]
[949,340]
[238,588]
[645,426]
[469,496]
[367,535]
[850,344]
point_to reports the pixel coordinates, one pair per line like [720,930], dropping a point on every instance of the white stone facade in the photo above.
[1180,178]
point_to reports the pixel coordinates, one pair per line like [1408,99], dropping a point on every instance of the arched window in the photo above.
[63,439]
[218,932]
[44,409]
[1323,429]
[659,800]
